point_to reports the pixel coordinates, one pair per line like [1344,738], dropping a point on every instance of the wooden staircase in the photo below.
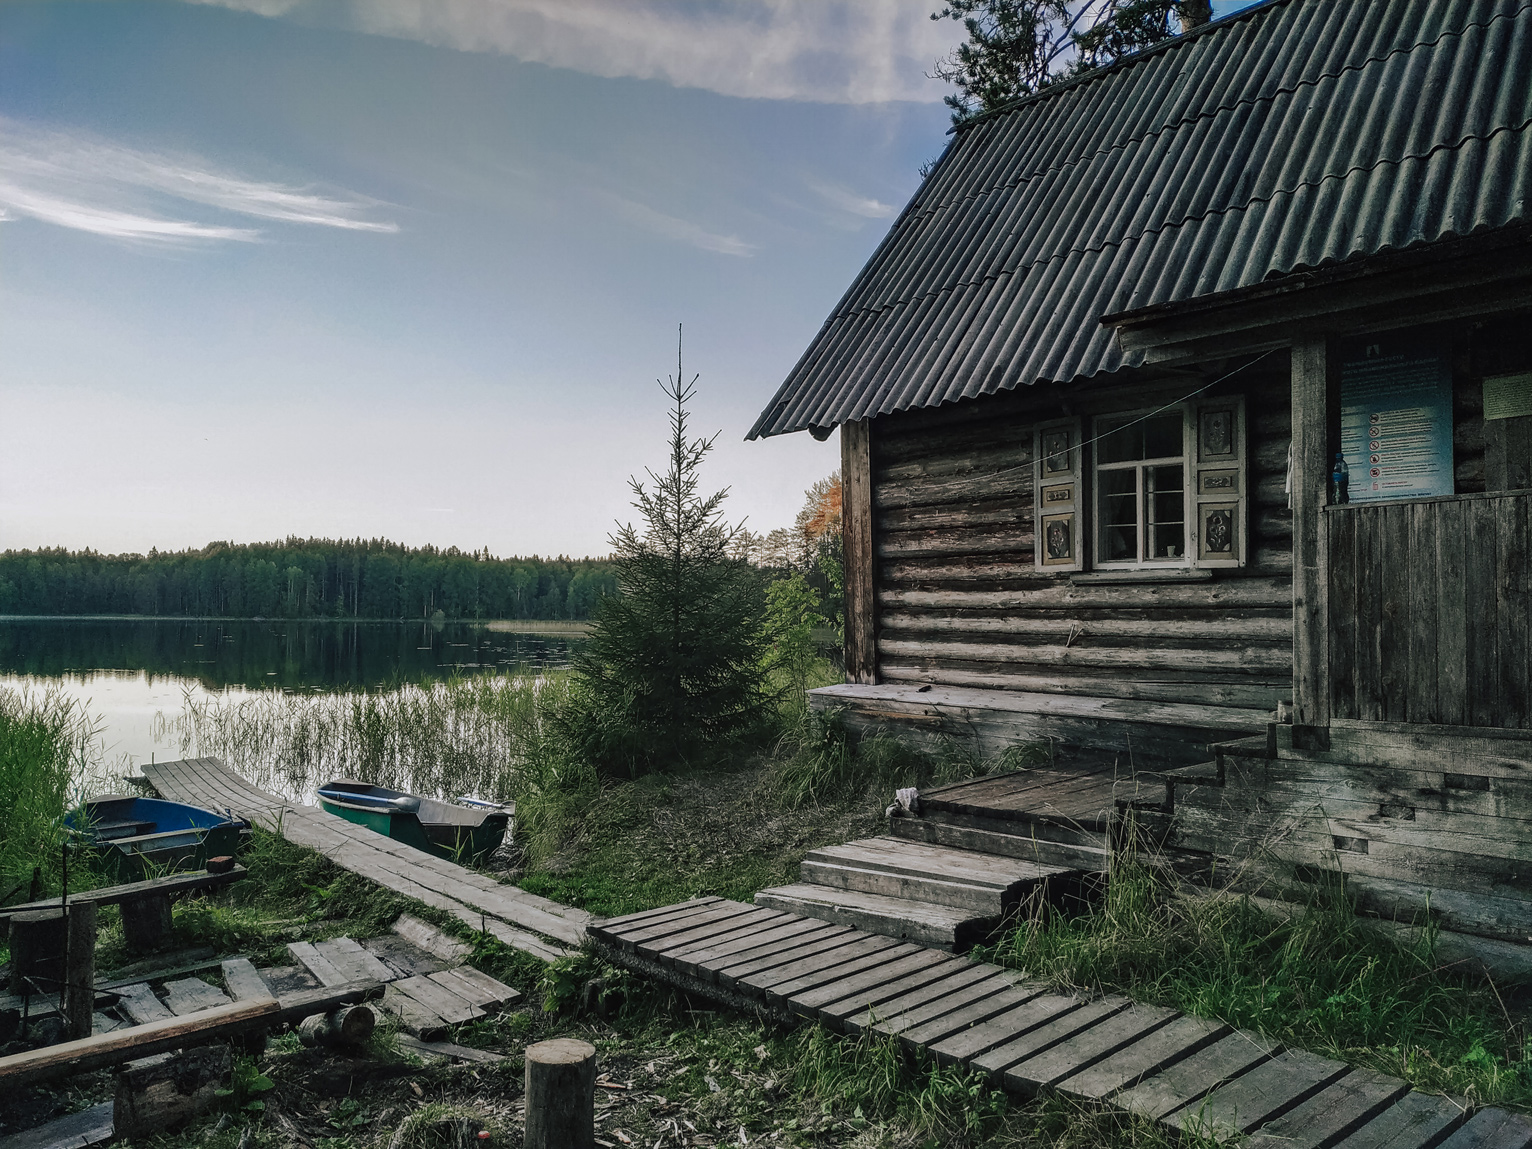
[975,852]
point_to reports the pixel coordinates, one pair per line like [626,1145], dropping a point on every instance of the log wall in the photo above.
[960,603]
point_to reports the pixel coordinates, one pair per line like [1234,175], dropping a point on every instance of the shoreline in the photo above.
[504,625]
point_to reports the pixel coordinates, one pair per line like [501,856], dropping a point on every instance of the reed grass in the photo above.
[48,746]
[483,735]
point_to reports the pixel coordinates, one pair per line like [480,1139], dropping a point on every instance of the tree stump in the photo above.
[349,1025]
[156,1093]
[561,1095]
[146,922]
[37,951]
[80,970]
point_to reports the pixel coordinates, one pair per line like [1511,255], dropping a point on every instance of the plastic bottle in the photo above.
[1340,481]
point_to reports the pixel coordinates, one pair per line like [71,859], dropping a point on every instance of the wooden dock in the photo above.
[1185,1072]
[525,921]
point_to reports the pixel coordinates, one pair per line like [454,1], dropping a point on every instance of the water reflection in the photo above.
[294,655]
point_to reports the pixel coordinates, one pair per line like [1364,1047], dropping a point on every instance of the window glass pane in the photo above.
[1165,498]
[1162,437]
[1119,514]
[1119,443]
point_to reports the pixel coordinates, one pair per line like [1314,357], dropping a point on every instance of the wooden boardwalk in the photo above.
[516,917]
[1183,1071]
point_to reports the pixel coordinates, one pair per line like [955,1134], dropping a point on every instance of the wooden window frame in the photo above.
[1214,461]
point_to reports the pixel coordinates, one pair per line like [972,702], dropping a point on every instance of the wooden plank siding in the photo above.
[960,602]
[1429,606]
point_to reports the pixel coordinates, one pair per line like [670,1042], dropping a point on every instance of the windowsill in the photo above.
[1140,575]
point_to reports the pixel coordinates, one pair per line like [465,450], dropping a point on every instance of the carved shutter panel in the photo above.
[1220,499]
[1059,497]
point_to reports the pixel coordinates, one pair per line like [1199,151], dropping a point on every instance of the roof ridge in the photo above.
[1185,121]
[1184,221]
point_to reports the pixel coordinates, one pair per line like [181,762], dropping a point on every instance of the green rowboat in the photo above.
[466,833]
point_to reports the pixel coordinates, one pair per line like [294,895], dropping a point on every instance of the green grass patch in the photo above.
[1322,980]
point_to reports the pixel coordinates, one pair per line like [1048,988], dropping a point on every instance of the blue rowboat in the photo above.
[459,833]
[138,838]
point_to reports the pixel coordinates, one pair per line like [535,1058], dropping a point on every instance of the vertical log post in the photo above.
[856,536]
[146,922]
[80,970]
[561,1095]
[1316,371]
[37,950]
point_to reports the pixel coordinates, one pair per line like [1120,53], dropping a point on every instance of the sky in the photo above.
[411,268]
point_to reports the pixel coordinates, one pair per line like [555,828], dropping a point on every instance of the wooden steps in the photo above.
[1185,1072]
[935,895]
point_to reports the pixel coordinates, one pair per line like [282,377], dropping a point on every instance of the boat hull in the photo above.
[141,838]
[448,830]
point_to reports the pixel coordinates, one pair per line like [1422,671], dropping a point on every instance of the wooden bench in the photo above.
[145,905]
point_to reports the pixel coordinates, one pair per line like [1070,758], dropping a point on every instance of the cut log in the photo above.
[561,1094]
[161,1092]
[349,1025]
[37,951]
[146,921]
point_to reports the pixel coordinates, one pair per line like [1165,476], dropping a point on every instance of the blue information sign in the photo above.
[1396,419]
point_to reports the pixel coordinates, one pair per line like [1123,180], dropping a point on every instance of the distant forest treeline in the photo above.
[303,578]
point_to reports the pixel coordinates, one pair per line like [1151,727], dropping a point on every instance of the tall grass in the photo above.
[1322,979]
[485,735]
[48,743]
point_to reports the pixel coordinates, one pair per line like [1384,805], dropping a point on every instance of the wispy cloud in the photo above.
[684,231]
[831,51]
[844,199]
[78,181]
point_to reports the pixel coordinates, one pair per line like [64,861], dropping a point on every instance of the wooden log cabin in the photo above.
[1090,390]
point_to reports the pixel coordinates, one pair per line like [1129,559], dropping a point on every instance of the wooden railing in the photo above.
[1428,605]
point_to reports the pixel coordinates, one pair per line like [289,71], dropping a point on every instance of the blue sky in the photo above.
[411,267]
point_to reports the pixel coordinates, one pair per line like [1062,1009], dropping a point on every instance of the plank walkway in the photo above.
[516,917]
[1185,1072]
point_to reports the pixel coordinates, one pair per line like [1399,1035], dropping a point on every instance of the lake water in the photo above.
[126,671]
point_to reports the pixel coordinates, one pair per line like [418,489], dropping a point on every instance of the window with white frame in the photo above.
[1159,488]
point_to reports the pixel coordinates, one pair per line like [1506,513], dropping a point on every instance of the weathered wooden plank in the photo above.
[172,885]
[876,984]
[1180,1038]
[781,985]
[1224,627]
[861,652]
[1492,1129]
[1513,608]
[141,1005]
[309,957]
[1369,610]
[943,1026]
[193,995]
[1046,1069]
[1246,692]
[1003,1028]
[1485,624]
[80,1130]
[1394,621]
[791,931]
[761,961]
[490,993]
[1315,374]
[1254,1098]
[427,937]
[353,962]
[714,931]
[940,999]
[646,933]
[440,999]
[416,1017]
[1421,704]
[994,539]
[1066,1026]
[1342,559]
[1332,1113]
[627,920]
[1416,1121]
[1452,613]
[1183,1084]
[243,981]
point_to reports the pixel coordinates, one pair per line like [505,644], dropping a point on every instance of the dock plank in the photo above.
[963,1047]
[1046,1069]
[140,1004]
[193,995]
[243,980]
[1254,1098]
[1188,1081]
[1414,1122]
[940,1027]
[1124,1069]
[1044,1037]
[1331,1114]
[902,1005]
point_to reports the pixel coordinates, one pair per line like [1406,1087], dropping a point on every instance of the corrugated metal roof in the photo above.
[1290,136]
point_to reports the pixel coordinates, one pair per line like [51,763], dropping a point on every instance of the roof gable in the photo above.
[1293,135]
